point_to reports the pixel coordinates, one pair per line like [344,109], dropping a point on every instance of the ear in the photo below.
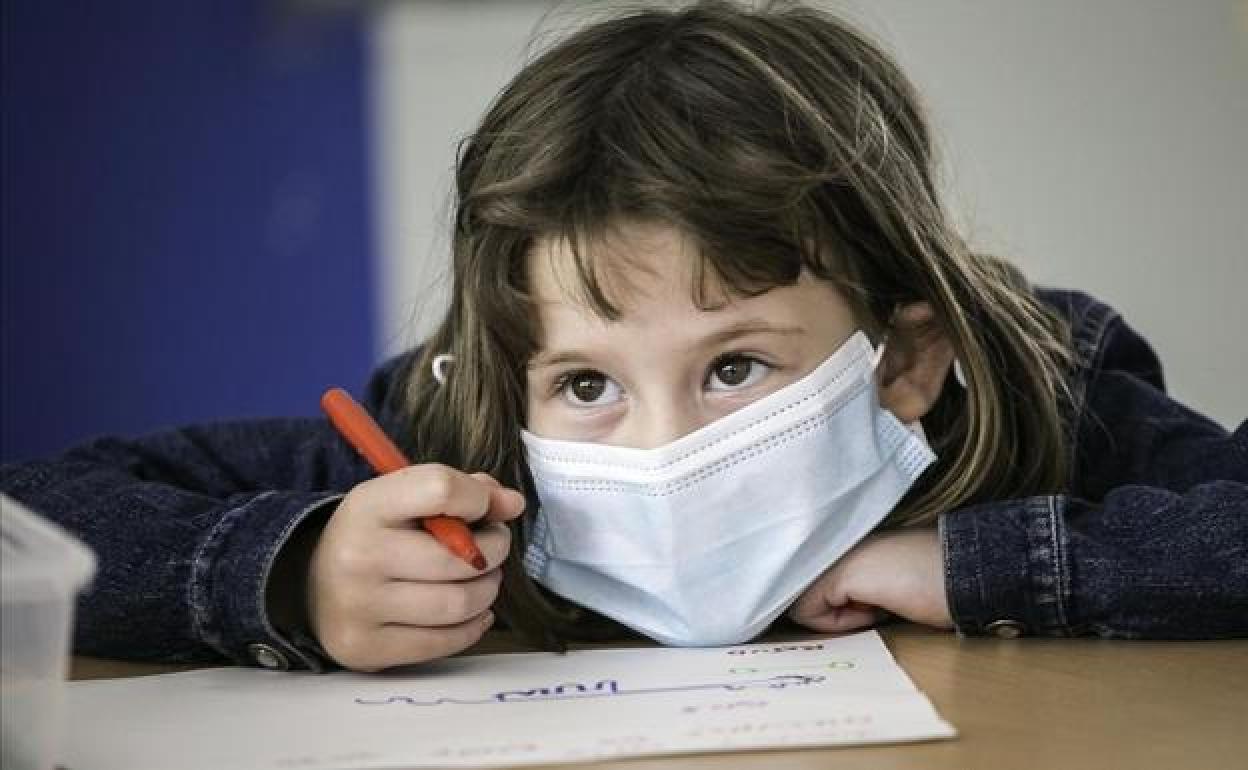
[917,359]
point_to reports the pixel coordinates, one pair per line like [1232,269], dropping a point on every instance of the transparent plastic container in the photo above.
[42,568]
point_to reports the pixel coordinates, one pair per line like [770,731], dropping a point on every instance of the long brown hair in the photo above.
[778,138]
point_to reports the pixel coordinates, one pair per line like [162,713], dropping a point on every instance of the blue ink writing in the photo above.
[605,688]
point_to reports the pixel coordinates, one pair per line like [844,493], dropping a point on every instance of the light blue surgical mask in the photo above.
[706,540]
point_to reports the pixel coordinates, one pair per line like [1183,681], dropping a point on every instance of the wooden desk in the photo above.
[1019,704]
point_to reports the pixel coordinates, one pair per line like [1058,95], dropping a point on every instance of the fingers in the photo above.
[825,592]
[828,606]
[415,555]
[505,504]
[848,617]
[383,592]
[403,602]
[430,489]
[375,648]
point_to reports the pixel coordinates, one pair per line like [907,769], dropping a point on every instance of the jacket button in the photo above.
[268,656]
[1005,629]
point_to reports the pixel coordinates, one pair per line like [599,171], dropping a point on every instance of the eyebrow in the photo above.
[736,330]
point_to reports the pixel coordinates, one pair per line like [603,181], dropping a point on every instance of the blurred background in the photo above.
[217,210]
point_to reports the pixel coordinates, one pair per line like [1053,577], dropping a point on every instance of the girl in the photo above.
[702,279]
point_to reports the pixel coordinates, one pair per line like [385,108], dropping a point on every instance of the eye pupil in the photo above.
[588,388]
[733,371]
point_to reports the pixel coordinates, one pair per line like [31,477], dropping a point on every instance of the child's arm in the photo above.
[188,524]
[1145,562]
[1150,542]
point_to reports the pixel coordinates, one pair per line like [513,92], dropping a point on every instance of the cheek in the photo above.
[538,417]
[547,416]
[549,419]
[536,412]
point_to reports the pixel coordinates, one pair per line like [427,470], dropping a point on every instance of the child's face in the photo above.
[665,367]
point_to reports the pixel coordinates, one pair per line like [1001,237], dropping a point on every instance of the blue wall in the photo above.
[185,217]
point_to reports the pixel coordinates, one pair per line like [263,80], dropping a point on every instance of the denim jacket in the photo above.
[1149,541]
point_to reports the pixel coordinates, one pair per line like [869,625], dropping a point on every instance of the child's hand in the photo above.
[899,572]
[382,592]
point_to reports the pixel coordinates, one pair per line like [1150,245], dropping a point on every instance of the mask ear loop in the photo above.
[879,349]
[878,356]
[958,374]
[438,365]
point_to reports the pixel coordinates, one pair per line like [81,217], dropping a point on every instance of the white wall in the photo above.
[1100,144]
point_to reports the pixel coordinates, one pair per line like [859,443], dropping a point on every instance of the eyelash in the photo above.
[561,382]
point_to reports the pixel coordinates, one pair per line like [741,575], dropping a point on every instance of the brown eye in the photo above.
[733,371]
[589,388]
[736,371]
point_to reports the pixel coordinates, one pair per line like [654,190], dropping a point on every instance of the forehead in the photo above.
[631,264]
[652,274]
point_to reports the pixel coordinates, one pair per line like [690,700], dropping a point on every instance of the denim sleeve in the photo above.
[1143,563]
[187,525]
[1132,432]
[1150,539]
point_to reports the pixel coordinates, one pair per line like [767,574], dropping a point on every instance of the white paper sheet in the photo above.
[513,709]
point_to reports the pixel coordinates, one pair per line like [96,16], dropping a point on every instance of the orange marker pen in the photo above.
[363,433]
